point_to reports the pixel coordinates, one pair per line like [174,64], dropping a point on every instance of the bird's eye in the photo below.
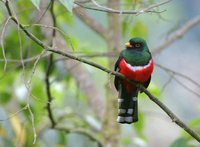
[137,45]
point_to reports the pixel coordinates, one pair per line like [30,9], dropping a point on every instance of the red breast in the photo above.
[137,73]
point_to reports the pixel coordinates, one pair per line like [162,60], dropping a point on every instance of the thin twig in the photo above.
[30,35]
[31,59]
[156,5]
[2,43]
[110,10]
[81,131]
[165,85]
[51,27]
[187,87]
[142,88]
[173,117]
[13,16]
[153,98]
[28,86]
[48,71]
[13,114]
[40,18]
[48,91]
[177,35]
[178,74]
[102,7]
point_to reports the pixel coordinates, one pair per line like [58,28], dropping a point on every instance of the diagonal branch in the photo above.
[152,97]
[142,88]
[80,74]
[178,74]
[177,35]
[187,87]
[173,117]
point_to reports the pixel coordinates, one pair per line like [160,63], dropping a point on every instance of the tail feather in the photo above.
[128,106]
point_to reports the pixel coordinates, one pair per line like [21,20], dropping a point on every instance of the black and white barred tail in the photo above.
[128,106]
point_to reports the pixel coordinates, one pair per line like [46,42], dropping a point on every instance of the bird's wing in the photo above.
[146,84]
[116,81]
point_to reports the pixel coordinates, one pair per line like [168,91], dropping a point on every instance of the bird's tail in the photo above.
[128,106]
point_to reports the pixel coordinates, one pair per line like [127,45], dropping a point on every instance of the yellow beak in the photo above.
[128,45]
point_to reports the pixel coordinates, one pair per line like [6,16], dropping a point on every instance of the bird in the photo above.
[136,63]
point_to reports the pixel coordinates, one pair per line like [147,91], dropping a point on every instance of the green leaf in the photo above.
[195,123]
[36,3]
[72,42]
[62,139]
[139,30]
[180,142]
[126,141]
[68,4]
[66,18]
[5,97]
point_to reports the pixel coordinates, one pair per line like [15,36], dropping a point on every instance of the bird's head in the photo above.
[136,43]
[137,52]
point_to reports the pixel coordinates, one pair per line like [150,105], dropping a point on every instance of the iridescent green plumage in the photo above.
[137,56]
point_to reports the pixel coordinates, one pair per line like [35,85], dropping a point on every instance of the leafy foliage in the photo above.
[70,105]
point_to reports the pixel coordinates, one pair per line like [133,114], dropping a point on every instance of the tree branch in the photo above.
[175,73]
[187,87]
[90,135]
[173,117]
[177,35]
[142,88]
[153,98]
[111,10]
[48,91]
[48,70]
[178,74]
[80,74]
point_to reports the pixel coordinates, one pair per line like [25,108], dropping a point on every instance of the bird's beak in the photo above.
[128,45]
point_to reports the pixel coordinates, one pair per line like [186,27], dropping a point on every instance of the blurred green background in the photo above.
[72,104]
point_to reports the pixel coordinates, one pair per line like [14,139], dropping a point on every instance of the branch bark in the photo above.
[48,70]
[79,73]
[81,131]
[113,10]
[153,98]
